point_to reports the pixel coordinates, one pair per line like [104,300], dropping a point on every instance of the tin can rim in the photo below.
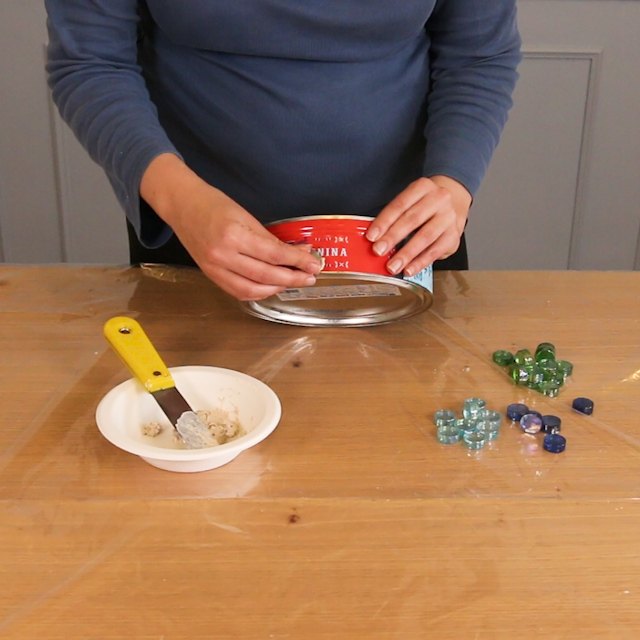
[332,216]
[420,300]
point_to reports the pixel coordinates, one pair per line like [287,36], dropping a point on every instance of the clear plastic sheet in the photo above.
[350,520]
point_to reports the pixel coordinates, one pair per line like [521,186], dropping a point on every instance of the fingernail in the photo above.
[380,248]
[309,281]
[394,266]
[409,271]
[373,234]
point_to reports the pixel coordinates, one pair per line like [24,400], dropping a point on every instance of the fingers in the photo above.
[425,214]
[253,264]
[241,287]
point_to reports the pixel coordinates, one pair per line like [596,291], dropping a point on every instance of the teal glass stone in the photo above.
[444,417]
[565,368]
[524,357]
[494,418]
[502,357]
[448,434]
[490,428]
[475,439]
[472,407]
[466,425]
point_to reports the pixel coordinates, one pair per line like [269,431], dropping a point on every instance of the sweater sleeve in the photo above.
[100,92]
[475,51]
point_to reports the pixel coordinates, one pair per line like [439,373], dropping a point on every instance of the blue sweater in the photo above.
[291,107]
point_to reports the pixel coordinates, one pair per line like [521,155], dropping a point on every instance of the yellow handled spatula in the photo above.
[130,342]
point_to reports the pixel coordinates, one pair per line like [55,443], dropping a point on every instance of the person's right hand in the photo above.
[228,244]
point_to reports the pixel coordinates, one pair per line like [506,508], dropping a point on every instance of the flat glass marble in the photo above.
[554,443]
[531,423]
[516,410]
[448,434]
[444,417]
[472,407]
[583,405]
[475,439]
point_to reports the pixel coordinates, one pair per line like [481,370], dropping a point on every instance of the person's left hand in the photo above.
[435,210]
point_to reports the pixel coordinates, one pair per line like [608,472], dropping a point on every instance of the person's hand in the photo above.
[228,244]
[434,210]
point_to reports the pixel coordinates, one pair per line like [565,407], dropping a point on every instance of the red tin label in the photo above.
[340,240]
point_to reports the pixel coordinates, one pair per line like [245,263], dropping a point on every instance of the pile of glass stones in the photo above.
[540,371]
[533,422]
[477,426]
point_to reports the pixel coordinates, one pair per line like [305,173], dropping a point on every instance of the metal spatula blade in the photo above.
[130,342]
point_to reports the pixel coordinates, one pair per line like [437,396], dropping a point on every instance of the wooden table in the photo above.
[350,520]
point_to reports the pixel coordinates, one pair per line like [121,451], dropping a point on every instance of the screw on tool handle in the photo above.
[130,342]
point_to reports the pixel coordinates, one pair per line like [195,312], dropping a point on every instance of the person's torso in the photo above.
[291,106]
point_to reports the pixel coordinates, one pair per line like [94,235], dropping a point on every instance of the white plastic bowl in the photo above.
[124,410]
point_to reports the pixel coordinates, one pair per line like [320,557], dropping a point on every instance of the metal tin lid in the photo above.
[347,299]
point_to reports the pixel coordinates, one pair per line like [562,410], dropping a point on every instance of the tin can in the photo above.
[354,287]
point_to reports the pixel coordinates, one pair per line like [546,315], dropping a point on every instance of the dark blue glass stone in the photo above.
[554,443]
[551,424]
[583,405]
[516,410]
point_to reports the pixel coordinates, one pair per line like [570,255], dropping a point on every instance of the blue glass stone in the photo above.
[524,357]
[448,434]
[551,424]
[516,410]
[554,443]
[583,405]
[531,423]
[444,417]
[502,357]
[475,439]
[472,407]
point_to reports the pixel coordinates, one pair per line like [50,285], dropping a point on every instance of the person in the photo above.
[212,119]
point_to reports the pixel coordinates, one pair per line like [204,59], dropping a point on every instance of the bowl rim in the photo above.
[119,438]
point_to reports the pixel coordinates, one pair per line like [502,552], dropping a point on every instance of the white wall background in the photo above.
[563,191]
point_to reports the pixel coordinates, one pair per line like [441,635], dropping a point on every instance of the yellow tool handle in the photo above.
[131,343]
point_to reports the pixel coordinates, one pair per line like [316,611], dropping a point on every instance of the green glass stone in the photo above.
[565,367]
[549,369]
[502,357]
[523,357]
[535,377]
[448,434]
[443,417]
[546,349]
[549,388]
[519,374]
